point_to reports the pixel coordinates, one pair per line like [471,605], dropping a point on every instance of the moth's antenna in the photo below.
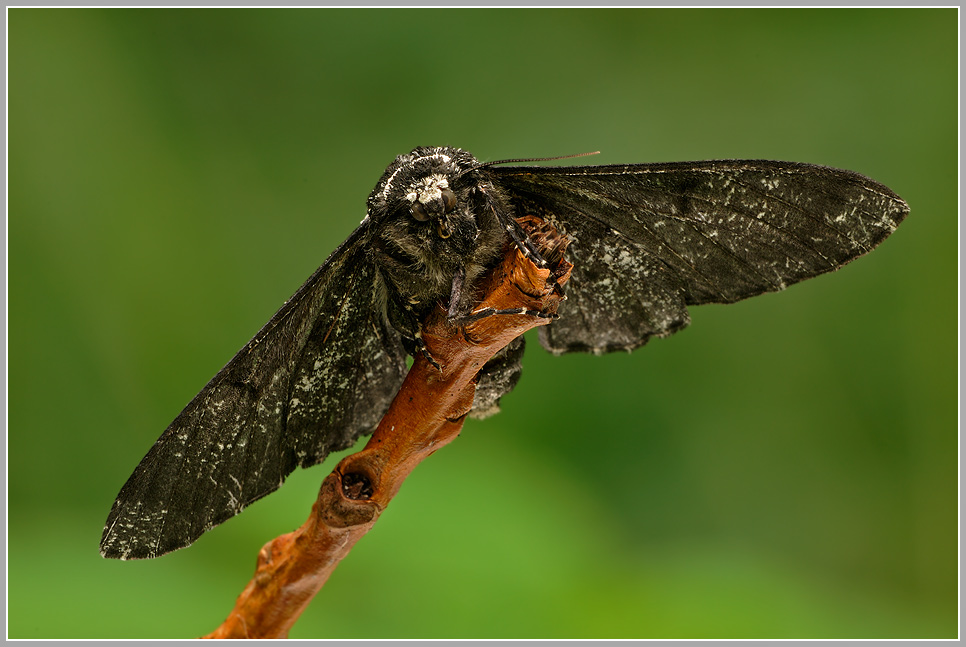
[526,159]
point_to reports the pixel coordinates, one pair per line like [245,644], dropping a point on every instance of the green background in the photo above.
[785,467]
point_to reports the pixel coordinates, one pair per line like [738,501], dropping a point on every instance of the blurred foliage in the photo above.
[784,468]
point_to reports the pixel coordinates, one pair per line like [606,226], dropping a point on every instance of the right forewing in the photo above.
[651,239]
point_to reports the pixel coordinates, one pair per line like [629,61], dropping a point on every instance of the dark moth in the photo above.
[648,240]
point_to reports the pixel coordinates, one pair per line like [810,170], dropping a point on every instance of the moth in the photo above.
[647,242]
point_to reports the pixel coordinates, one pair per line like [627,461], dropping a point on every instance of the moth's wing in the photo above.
[317,376]
[651,239]
[497,378]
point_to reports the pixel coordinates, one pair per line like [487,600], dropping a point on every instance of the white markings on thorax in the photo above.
[446,159]
[428,189]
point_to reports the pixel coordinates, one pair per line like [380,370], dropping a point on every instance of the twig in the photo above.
[427,413]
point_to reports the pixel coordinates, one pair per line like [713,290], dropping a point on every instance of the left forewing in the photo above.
[315,378]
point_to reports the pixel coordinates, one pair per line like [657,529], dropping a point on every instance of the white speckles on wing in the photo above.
[701,232]
[259,418]
[616,299]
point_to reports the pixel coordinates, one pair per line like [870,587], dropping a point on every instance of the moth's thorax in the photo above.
[427,189]
[418,176]
[430,221]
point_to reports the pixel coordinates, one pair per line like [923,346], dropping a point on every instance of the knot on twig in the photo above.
[356,485]
[337,509]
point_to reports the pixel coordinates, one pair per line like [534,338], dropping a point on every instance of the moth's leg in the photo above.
[456,294]
[513,228]
[459,312]
[421,346]
[402,315]
[501,373]
[412,337]
[415,333]
[492,312]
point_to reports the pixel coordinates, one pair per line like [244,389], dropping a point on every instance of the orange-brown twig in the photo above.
[426,414]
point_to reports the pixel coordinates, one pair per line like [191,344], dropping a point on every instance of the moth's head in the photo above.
[422,189]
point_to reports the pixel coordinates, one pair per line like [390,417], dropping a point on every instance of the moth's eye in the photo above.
[418,209]
[449,200]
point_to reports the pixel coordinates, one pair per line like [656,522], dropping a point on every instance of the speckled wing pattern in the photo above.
[652,239]
[317,376]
